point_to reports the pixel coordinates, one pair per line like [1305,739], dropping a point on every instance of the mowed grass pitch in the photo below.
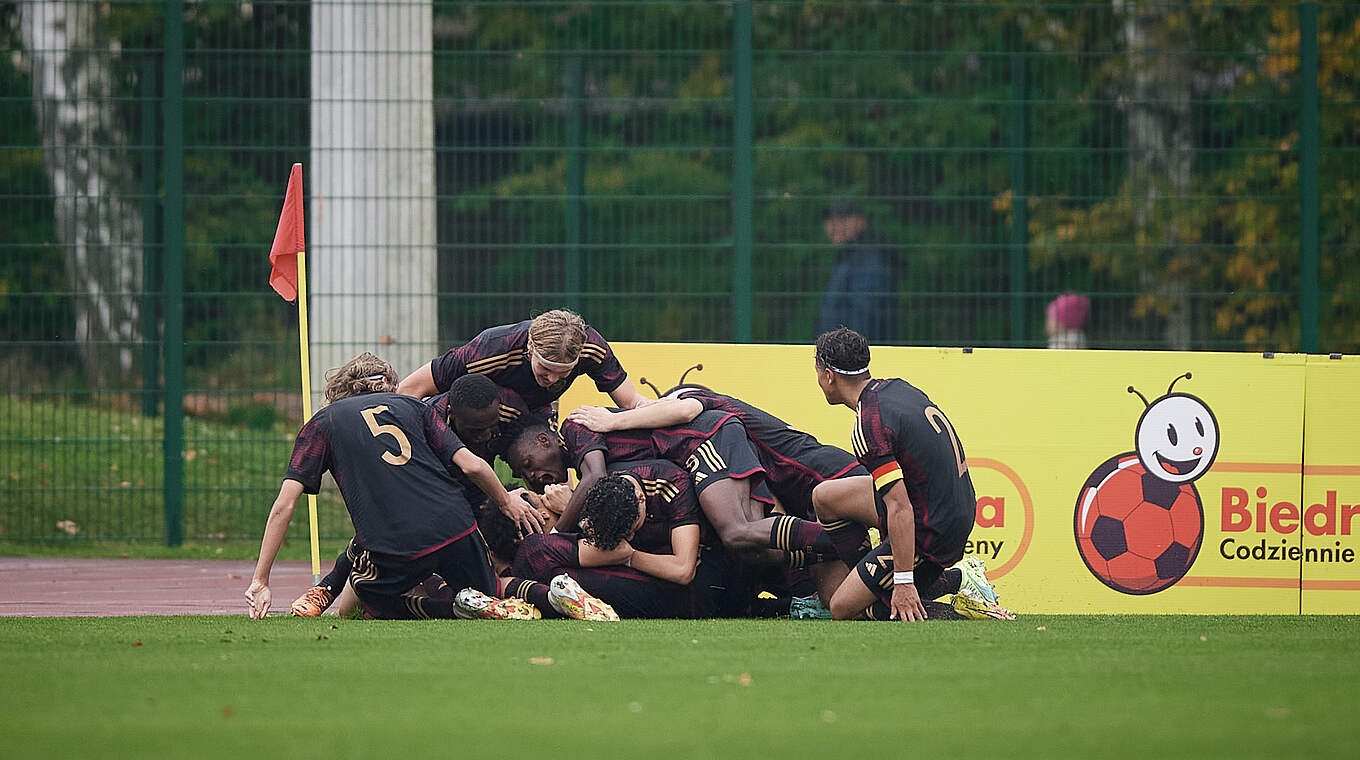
[1044,686]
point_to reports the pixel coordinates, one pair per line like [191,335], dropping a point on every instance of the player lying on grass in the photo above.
[476,409]
[539,359]
[924,504]
[393,459]
[806,477]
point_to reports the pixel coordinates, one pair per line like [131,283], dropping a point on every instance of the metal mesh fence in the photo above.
[678,171]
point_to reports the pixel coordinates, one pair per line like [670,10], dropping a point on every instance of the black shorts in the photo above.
[633,594]
[721,587]
[792,482]
[876,570]
[728,453]
[382,580]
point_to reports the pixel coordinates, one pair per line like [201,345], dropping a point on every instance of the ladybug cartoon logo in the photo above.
[1139,521]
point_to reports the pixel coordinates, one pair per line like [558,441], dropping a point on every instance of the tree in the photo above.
[84,147]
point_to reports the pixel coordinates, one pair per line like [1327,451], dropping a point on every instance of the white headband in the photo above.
[840,371]
[556,365]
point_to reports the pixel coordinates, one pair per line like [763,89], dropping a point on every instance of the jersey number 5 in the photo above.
[371,417]
[940,423]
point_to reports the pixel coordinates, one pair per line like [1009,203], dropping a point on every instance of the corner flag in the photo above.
[289,240]
[288,277]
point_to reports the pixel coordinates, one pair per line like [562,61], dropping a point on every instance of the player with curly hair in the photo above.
[924,502]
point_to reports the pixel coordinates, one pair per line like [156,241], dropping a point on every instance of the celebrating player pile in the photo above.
[698,504]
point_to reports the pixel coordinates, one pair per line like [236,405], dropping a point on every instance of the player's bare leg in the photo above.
[846,499]
[829,576]
[845,508]
[851,599]
[743,528]
[347,602]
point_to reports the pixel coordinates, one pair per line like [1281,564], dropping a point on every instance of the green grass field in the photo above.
[1050,686]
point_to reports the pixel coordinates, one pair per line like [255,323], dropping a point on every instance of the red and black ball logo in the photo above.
[1139,521]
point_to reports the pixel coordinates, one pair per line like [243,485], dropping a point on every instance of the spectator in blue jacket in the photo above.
[862,292]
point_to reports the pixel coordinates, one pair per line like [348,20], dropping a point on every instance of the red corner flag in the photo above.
[289,240]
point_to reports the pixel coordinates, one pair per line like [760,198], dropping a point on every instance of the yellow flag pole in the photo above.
[307,404]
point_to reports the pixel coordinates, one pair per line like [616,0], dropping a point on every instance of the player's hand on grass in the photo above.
[523,513]
[906,603]
[595,418]
[259,596]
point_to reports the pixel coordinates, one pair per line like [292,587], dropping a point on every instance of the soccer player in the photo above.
[721,461]
[475,408]
[538,359]
[807,477]
[637,584]
[924,502]
[393,459]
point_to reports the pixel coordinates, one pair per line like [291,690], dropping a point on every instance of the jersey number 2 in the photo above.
[941,424]
[371,417]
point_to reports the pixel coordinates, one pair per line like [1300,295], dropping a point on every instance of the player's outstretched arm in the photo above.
[663,413]
[419,383]
[275,529]
[906,600]
[626,396]
[520,511]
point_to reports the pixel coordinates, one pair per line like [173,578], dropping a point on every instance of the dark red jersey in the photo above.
[794,461]
[392,458]
[502,354]
[675,443]
[671,502]
[901,435]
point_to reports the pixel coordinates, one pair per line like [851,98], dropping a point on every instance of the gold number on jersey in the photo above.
[370,416]
[940,423]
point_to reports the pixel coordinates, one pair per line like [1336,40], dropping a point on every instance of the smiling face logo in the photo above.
[1139,521]
[1177,437]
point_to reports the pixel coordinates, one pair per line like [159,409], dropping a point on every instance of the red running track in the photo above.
[55,587]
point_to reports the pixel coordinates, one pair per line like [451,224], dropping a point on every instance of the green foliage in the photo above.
[908,107]
[79,473]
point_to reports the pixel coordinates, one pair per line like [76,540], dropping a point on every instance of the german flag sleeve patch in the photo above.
[886,474]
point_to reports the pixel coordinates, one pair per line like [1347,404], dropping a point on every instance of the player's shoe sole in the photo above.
[313,602]
[974,608]
[471,604]
[975,581]
[567,597]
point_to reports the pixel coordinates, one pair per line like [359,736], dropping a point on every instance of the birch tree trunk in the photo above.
[1157,43]
[85,152]
[372,249]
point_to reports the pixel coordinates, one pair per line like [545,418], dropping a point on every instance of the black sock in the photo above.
[948,583]
[334,581]
[533,592]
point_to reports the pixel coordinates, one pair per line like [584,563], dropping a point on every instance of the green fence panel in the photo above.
[670,168]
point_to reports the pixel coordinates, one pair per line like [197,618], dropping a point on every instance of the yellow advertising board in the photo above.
[1181,497]
[1330,526]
